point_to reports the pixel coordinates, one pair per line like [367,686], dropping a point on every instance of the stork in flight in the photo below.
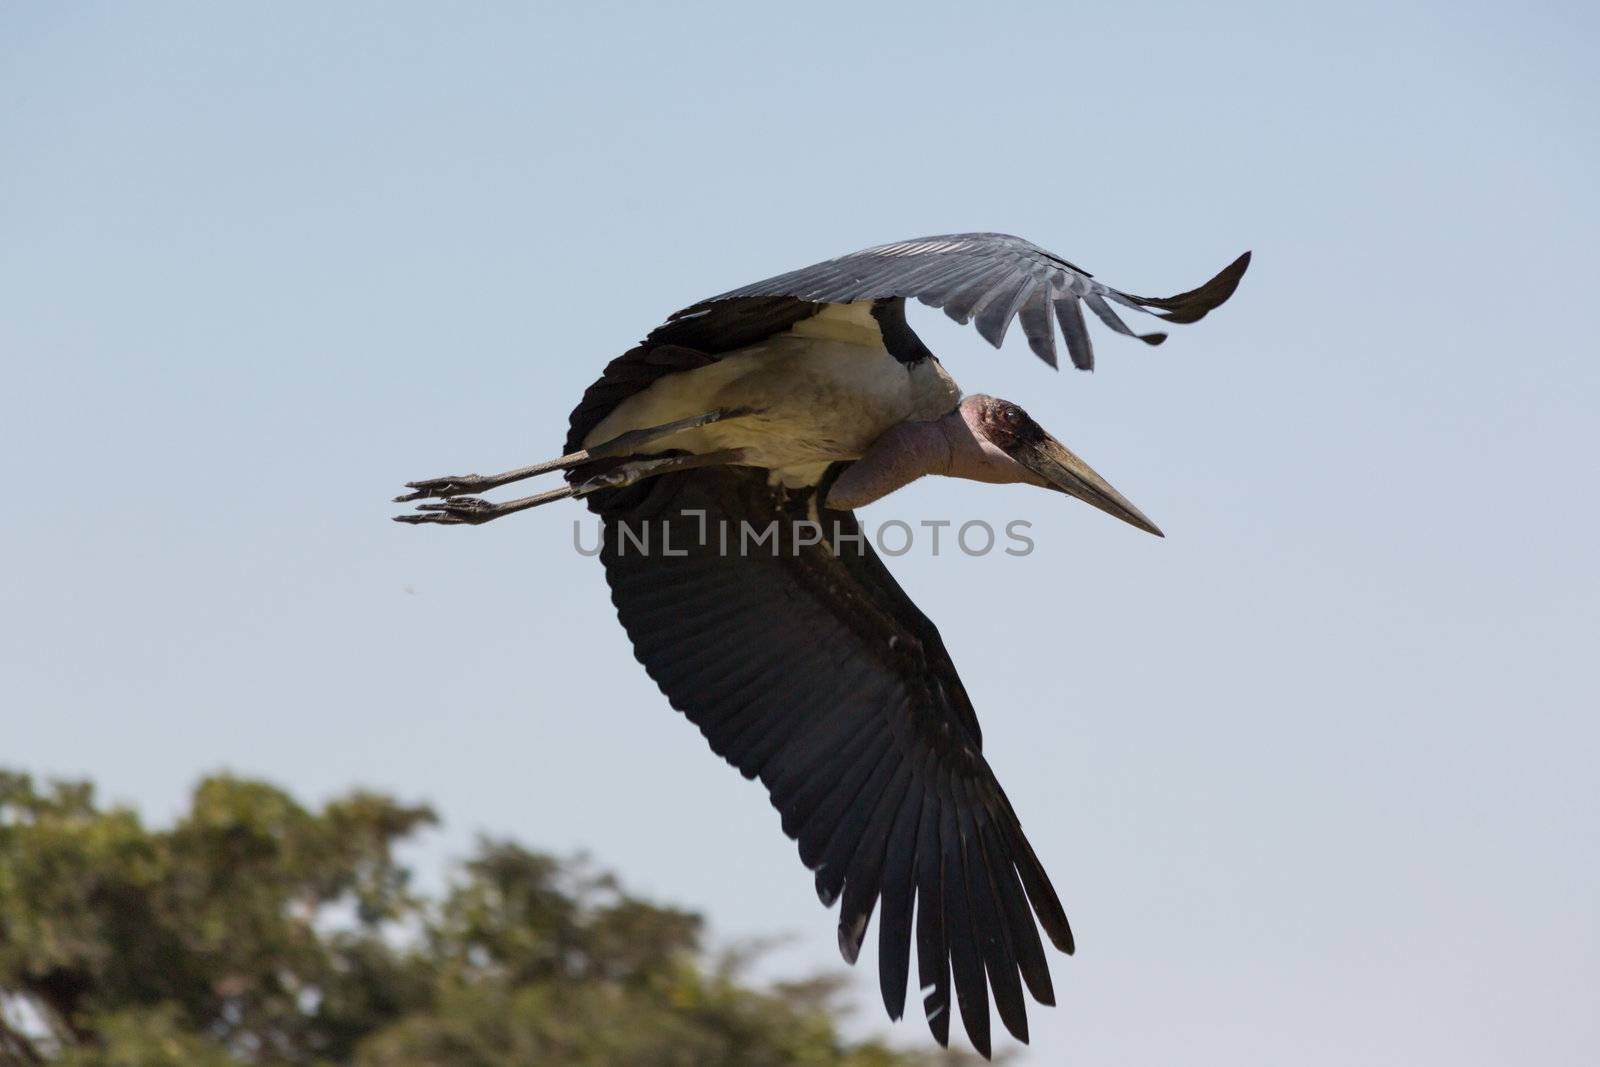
[786,404]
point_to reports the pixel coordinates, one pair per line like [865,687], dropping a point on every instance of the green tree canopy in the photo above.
[259,931]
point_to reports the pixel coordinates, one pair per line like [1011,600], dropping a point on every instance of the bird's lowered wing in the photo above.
[985,278]
[813,671]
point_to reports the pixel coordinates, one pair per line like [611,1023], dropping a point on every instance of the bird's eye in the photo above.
[1011,413]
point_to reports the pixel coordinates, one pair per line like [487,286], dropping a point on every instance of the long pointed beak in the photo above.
[1060,469]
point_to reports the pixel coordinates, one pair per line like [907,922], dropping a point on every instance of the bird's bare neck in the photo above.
[949,446]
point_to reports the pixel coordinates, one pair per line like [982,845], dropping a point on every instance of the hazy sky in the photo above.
[1315,775]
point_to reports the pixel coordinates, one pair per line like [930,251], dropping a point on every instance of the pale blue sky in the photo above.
[1315,776]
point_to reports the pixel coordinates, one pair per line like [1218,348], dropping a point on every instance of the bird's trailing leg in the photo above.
[472,510]
[622,445]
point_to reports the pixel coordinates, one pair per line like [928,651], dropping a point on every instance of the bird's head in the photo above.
[1002,443]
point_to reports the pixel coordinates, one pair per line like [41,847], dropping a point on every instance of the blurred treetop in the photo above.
[258,931]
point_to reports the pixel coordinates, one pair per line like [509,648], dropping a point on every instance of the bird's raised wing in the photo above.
[985,278]
[991,277]
[813,671]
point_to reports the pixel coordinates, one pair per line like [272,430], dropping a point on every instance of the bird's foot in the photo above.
[453,511]
[474,510]
[450,485]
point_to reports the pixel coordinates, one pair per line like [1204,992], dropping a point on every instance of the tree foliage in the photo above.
[258,931]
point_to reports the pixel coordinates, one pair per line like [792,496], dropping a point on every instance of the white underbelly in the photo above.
[815,401]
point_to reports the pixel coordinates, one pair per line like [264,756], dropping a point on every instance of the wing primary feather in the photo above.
[1041,894]
[836,806]
[863,878]
[933,953]
[1195,304]
[825,792]
[956,308]
[972,296]
[1076,332]
[1025,943]
[1036,326]
[994,933]
[899,893]
[1098,305]
[851,826]
[997,285]
[961,934]
[994,319]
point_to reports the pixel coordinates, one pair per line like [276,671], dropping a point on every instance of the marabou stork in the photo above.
[783,405]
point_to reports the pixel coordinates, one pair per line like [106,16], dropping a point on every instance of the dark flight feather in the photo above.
[845,704]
